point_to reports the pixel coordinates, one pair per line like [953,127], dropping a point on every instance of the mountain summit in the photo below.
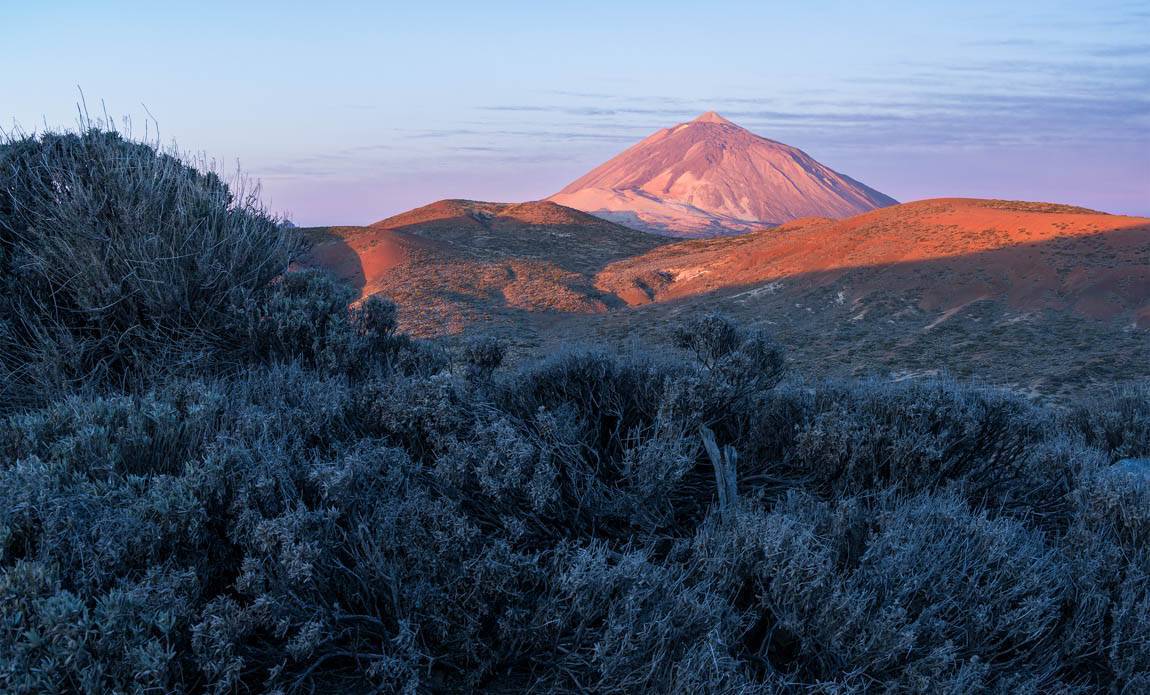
[709,177]
[712,117]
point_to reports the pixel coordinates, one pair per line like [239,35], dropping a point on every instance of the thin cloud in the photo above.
[1122,51]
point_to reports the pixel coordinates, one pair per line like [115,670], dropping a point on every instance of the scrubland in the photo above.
[216,475]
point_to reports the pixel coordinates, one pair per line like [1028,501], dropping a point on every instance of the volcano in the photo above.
[710,177]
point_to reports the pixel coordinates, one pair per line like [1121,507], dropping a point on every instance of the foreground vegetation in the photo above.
[215,476]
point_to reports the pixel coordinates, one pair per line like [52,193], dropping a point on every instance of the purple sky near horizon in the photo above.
[348,112]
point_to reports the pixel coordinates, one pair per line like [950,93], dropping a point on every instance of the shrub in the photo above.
[303,317]
[710,338]
[117,262]
[482,356]
[915,593]
[846,438]
[617,622]
[57,641]
[738,368]
[1117,421]
[1109,638]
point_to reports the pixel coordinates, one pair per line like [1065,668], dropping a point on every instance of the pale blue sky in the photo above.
[351,111]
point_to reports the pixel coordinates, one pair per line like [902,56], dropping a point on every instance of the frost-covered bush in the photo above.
[917,593]
[1110,560]
[621,621]
[1117,421]
[303,317]
[119,263]
[736,369]
[482,355]
[286,495]
[845,438]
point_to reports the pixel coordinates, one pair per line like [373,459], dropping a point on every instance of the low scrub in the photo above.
[119,263]
[244,485]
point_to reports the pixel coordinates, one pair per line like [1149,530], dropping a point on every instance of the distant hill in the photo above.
[1033,256]
[1043,297]
[536,230]
[710,177]
[456,263]
[1040,296]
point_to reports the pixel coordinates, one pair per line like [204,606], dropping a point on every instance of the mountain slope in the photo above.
[710,176]
[1044,298]
[1034,256]
[457,263]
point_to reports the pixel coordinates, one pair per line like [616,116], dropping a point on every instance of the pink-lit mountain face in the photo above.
[710,177]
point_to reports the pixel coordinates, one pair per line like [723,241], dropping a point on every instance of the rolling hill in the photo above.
[1031,256]
[1046,298]
[455,264]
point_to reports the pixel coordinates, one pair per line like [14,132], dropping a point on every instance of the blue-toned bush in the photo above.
[1117,421]
[247,485]
[119,264]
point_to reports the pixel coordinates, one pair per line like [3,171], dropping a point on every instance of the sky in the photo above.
[348,112]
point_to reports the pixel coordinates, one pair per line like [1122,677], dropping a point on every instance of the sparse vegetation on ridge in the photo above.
[215,476]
